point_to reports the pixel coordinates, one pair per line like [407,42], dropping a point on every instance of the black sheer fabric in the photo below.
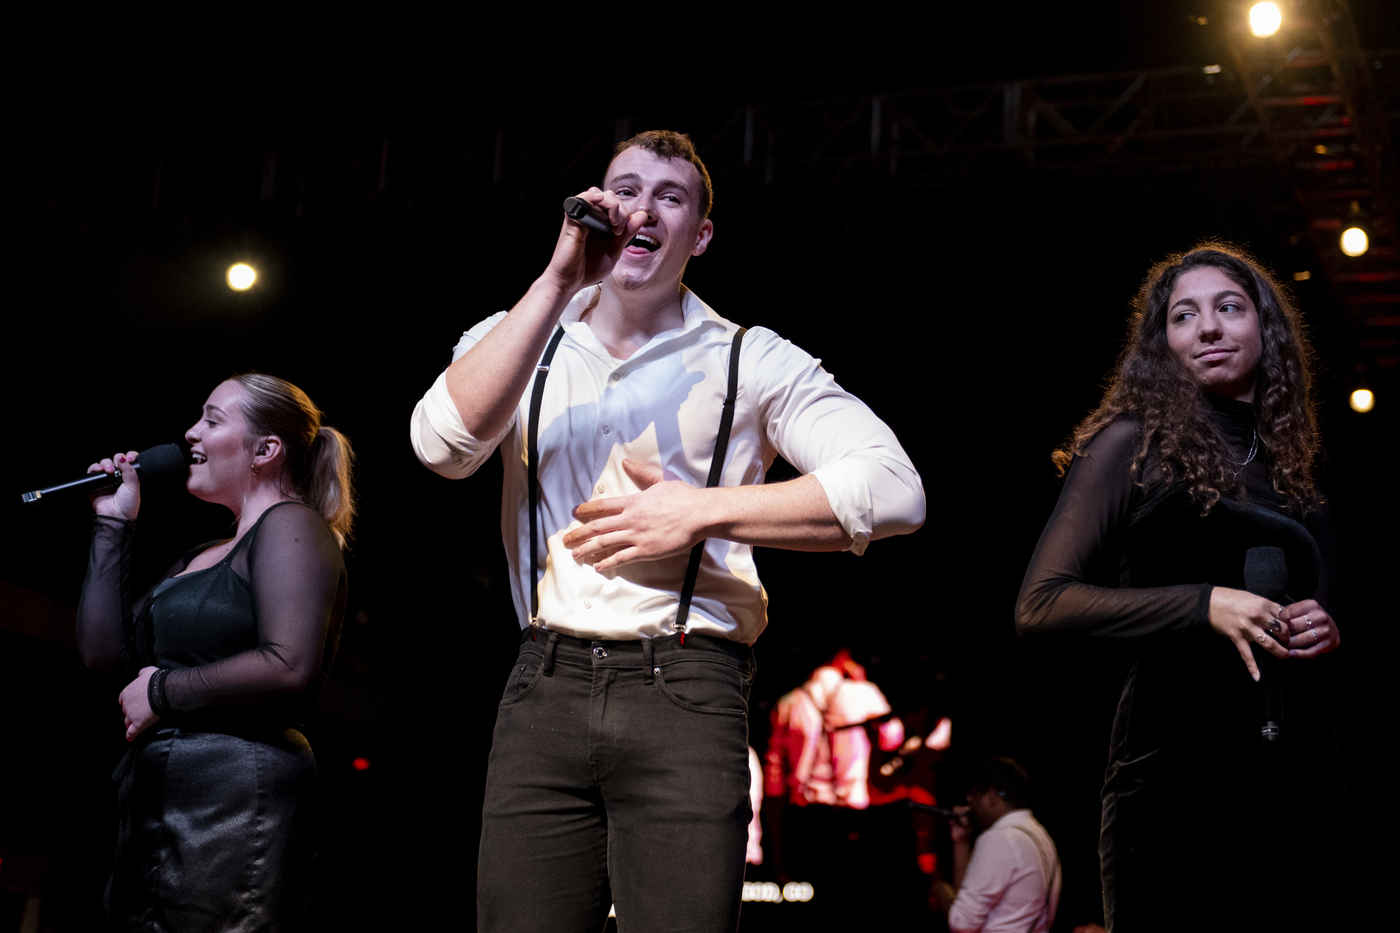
[257,630]
[1124,560]
[219,801]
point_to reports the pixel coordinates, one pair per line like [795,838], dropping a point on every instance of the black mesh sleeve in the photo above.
[104,610]
[297,575]
[1067,588]
[107,633]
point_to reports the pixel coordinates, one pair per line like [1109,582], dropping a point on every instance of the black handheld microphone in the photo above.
[159,463]
[591,217]
[1266,575]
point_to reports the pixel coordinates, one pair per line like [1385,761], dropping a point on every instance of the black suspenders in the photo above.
[532,457]
[726,422]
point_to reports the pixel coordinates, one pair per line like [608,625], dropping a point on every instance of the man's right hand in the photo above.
[487,382]
[581,260]
[960,827]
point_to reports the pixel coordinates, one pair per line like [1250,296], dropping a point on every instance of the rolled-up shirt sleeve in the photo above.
[1066,590]
[440,439]
[825,431]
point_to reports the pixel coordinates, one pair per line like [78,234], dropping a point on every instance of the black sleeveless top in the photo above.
[249,639]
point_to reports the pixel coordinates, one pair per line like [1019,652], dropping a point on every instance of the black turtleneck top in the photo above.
[1123,560]
[1090,576]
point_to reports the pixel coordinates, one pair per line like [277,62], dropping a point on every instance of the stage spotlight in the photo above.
[1362,400]
[1264,19]
[1355,242]
[241,277]
[360,764]
[1355,238]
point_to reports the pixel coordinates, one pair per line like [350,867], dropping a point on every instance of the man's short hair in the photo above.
[668,144]
[1006,777]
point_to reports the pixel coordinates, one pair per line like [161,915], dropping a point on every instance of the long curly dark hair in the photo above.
[1150,382]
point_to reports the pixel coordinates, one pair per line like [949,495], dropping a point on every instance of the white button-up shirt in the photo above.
[662,406]
[1013,880]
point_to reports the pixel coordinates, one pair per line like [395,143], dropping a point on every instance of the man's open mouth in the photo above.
[645,242]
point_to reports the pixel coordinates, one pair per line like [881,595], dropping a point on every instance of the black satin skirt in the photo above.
[217,832]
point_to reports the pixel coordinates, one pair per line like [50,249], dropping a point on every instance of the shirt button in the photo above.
[587,604]
[616,376]
[600,652]
[607,429]
[602,489]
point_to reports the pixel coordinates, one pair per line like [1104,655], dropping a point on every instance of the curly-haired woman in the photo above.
[1189,484]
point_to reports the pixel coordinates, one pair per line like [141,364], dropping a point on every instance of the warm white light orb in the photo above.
[1363,400]
[241,277]
[1264,19]
[1355,242]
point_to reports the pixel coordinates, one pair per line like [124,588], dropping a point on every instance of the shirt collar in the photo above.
[698,316]
[1012,817]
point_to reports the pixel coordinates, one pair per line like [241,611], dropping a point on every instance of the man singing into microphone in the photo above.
[619,764]
[1009,882]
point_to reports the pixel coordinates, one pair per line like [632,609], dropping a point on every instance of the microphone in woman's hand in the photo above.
[156,465]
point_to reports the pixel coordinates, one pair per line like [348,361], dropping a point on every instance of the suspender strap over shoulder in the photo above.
[726,421]
[532,460]
[1050,876]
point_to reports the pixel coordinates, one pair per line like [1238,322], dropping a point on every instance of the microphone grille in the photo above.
[159,464]
[1266,572]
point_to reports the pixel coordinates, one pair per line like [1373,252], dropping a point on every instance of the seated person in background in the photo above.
[1010,879]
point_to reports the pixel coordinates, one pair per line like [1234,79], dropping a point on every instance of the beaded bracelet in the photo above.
[155,693]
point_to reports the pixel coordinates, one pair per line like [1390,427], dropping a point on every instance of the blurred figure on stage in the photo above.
[820,823]
[1190,523]
[819,750]
[223,658]
[1009,881]
[909,777]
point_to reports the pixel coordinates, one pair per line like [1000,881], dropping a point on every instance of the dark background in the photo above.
[977,316]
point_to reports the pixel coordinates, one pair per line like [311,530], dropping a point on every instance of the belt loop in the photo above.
[648,665]
[547,668]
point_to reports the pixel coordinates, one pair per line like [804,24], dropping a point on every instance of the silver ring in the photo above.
[1262,638]
[1274,626]
[1307,620]
[1316,637]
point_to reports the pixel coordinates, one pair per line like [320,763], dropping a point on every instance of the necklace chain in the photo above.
[1253,449]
